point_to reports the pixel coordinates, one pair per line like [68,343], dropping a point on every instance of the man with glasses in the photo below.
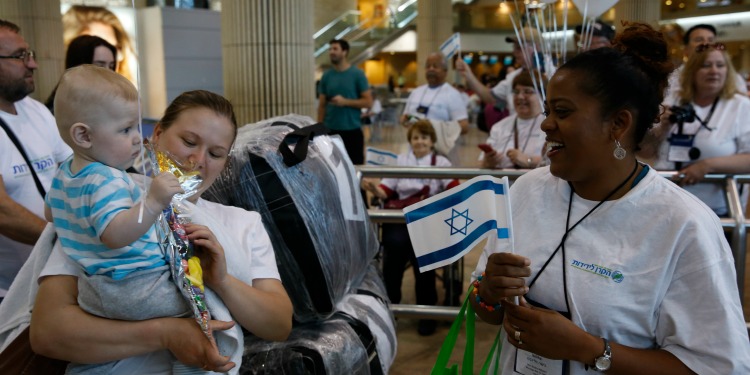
[695,36]
[28,132]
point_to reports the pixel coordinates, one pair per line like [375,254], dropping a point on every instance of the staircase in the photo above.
[366,37]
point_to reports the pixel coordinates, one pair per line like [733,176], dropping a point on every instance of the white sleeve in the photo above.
[59,264]
[411,104]
[700,318]
[502,90]
[263,261]
[743,130]
[457,107]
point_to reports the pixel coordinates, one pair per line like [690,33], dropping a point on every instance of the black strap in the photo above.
[15,141]
[301,137]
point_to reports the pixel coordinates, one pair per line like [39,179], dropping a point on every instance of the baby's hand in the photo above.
[163,187]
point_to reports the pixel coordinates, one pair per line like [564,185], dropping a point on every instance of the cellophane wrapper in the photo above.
[170,228]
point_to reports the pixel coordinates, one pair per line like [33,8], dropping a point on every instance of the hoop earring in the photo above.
[619,151]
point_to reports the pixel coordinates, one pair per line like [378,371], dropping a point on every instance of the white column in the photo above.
[434,26]
[268,62]
[647,11]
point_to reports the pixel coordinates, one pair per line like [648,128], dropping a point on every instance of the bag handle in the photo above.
[15,141]
[467,312]
[302,138]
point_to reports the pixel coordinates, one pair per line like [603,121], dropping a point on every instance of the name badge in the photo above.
[423,110]
[679,148]
[533,364]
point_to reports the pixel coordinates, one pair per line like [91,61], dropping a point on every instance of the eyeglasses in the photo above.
[527,92]
[25,56]
[706,46]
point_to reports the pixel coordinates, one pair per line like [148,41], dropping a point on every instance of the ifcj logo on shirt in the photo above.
[598,270]
[39,165]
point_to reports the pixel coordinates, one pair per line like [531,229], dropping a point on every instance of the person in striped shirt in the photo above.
[95,204]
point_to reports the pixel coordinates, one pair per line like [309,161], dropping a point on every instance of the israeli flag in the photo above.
[376,156]
[451,46]
[446,226]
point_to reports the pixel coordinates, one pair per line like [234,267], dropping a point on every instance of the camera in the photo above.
[682,114]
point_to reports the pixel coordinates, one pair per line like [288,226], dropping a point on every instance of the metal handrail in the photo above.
[335,21]
[736,222]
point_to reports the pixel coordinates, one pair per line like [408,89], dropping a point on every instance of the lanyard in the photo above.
[704,123]
[569,229]
[433,98]
[528,136]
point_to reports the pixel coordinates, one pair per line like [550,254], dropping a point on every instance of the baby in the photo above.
[95,204]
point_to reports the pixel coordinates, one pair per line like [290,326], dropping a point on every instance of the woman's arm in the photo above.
[695,172]
[263,308]
[61,329]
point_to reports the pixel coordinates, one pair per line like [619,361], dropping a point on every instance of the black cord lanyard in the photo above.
[569,229]
[433,98]
[704,123]
[37,182]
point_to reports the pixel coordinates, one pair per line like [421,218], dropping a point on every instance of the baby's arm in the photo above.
[124,229]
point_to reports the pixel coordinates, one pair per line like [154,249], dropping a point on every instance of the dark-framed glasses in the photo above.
[707,46]
[25,56]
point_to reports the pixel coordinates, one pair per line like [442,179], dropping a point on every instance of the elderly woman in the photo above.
[617,269]
[707,126]
[518,139]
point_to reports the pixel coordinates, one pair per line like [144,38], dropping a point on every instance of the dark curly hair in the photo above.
[632,74]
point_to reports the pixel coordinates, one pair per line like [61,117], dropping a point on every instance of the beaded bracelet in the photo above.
[479,299]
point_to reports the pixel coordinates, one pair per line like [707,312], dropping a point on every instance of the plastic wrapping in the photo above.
[184,265]
[312,211]
[370,306]
[328,347]
[366,313]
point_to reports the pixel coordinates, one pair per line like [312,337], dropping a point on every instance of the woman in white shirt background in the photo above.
[518,139]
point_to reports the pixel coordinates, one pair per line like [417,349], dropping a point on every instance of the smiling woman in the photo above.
[517,141]
[714,135]
[605,280]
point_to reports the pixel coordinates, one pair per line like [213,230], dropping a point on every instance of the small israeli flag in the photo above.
[376,156]
[444,227]
[451,46]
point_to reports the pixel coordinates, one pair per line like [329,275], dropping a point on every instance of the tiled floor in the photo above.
[417,354]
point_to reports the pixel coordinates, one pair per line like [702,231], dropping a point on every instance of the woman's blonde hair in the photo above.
[76,21]
[695,62]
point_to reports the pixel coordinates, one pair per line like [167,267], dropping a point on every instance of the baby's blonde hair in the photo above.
[85,95]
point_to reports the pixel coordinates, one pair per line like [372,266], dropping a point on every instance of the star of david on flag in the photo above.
[446,226]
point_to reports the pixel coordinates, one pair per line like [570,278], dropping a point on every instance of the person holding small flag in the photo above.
[617,269]
[397,250]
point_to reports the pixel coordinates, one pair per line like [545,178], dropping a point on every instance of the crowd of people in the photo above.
[609,284]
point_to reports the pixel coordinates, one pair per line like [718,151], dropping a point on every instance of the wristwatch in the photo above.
[602,363]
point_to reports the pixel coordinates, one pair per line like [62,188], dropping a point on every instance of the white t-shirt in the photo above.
[255,247]
[406,187]
[504,90]
[35,129]
[531,138]
[649,270]
[444,103]
[730,135]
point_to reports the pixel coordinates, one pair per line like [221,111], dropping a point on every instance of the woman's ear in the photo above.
[156,133]
[80,133]
[622,122]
